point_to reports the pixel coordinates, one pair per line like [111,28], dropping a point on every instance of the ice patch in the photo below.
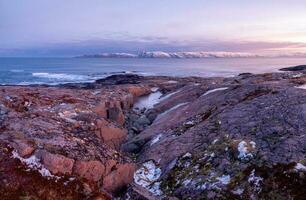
[34,163]
[156,139]
[244,153]
[214,90]
[300,167]
[147,177]
[148,102]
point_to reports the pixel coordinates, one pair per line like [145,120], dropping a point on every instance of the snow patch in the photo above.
[214,90]
[238,191]
[156,139]
[224,179]
[302,87]
[300,167]
[297,75]
[244,153]
[171,82]
[256,181]
[169,110]
[169,95]
[147,176]
[34,163]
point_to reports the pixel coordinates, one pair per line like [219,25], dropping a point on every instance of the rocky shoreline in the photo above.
[134,137]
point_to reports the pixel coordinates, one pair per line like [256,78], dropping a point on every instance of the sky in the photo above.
[74,27]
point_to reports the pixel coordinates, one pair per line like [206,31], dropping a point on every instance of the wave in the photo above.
[16,70]
[61,76]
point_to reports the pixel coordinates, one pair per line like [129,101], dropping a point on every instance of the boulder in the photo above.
[90,170]
[56,163]
[110,134]
[120,79]
[119,177]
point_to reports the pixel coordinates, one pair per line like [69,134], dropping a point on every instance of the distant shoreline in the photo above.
[191,55]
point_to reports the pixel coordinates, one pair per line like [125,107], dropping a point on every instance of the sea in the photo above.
[52,71]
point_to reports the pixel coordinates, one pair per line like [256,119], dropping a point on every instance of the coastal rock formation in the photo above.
[132,137]
[239,138]
[68,136]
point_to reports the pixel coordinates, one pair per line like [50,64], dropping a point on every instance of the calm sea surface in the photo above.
[24,71]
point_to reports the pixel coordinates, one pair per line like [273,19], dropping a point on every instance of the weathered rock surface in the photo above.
[66,135]
[234,138]
[203,138]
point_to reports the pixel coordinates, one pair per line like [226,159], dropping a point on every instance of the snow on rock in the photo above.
[187,155]
[216,183]
[169,95]
[224,179]
[214,90]
[169,110]
[34,163]
[238,191]
[171,82]
[302,87]
[244,150]
[147,176]
[300,167]
[156,139]
[256,181]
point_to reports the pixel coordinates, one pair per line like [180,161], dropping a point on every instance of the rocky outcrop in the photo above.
[295,68]
[67,135]
[189,138]
[232,139]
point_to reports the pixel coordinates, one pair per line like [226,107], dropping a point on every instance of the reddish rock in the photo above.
[57,164]
[116,114]
[138,91]
[110,134]
[23,148]
[121,176]
[109,166]
[111,110]
[101,109]
[90,170]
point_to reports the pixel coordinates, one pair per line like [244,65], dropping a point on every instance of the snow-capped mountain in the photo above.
[195,54]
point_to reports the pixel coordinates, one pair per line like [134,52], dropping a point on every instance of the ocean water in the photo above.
[24,71]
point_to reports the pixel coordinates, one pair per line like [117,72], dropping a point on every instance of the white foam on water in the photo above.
[61,76]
